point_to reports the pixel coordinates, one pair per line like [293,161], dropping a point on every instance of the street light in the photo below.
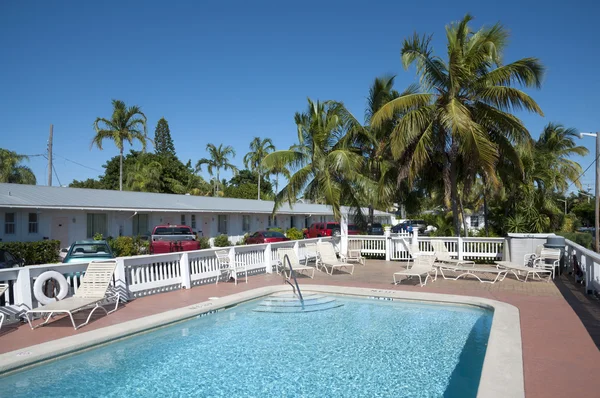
[563,200]
[597,223]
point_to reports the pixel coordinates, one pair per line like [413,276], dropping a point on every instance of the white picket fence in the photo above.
[589,263]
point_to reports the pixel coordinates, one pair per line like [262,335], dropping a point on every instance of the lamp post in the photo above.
[597,217]
[564,200]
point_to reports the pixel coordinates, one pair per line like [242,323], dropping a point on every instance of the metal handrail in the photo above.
[292,275]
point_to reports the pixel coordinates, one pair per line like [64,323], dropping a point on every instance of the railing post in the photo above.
[184,270]
[387,232]
[121,280]
[297,248]
[415,238]
[459,247]
[22,289]
[268,259]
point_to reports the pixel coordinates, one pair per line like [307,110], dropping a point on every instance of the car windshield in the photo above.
[415,222]
[172,231]
[273,234]
[376,226]
[85,249]
[332,226]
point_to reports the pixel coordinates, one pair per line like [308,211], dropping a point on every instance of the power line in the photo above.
[56,174]
[584,171]
[78,164]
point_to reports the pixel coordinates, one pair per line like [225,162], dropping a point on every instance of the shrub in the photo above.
[243,240]
[98,236]
[275,229]
[222,241]
[40,252]
[294,234]
[204,242]
[581,238]
[124,246]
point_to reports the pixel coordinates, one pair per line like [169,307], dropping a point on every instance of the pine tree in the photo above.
[162,139]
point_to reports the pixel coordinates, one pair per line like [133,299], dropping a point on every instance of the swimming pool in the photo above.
[363,348]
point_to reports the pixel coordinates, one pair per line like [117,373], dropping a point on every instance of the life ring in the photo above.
[38,286]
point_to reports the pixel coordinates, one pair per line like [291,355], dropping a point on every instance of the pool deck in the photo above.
[560,325]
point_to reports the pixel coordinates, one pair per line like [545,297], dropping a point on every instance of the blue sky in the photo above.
[224,72]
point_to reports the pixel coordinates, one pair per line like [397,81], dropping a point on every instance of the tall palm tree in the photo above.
[324,169]
[126,124]
[276,171]
[253,159]
[219,159]
[467,103]
[12,171]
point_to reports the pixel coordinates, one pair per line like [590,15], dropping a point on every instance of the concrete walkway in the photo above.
[559,353]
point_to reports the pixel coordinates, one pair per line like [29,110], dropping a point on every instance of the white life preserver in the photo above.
[38,286]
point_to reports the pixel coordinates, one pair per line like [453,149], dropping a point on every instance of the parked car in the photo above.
[83,251]
[320,229]
[265,237]
[375,229]
[353,229]
[173,238]
[7,260]
[406,225]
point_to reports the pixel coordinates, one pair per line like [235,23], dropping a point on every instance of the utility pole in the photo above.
[597,223]
[50,156]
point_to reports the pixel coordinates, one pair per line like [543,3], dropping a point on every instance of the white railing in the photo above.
[372,245]
[589,263]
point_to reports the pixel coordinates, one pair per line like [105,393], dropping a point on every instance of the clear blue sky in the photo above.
[226,71]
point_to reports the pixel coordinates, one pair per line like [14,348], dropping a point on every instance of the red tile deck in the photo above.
[558,323]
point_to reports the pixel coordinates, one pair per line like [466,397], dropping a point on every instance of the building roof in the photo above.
[44,197]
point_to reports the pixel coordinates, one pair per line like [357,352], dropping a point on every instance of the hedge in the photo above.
[581,238]
[40,252]
[124,246]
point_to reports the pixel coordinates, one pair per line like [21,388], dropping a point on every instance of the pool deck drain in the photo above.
[555,342]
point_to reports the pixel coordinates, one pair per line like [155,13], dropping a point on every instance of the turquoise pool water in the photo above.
[365,348]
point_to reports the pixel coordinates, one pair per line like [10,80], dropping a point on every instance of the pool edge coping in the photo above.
[502,373]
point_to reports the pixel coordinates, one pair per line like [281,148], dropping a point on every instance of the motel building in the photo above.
[35,212]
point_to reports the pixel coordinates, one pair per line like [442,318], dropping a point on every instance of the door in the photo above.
[60,230]
[206,221]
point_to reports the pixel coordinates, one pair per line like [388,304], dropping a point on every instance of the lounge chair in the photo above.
[230,268]
[422,266]
[311,252]
[443,255]
[529,258]
[354,252]
[3,288]
[329,259]
[516,269]
[467,270]
[294,261]
[413,252]
[93,290]
[548,254]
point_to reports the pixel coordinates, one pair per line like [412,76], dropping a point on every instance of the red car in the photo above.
[320,229]
[265,237]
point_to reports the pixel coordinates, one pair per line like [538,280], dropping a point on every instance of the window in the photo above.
[222,224]
[245,223]
[292,221]
[474,222]
[269,221]
[33,223]
[193,221]
[140,225]
[182,219]
[97,224]
[9,223]
[275,220]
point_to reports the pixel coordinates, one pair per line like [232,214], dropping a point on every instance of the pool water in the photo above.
[365,348]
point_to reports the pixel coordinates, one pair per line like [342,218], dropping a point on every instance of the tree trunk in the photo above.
[217,182]
[259,185]
[276,183]
[454,196]
[462,214]
[485,211]
[371,214]
[121,169]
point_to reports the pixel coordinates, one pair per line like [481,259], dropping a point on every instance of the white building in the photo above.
[35,212]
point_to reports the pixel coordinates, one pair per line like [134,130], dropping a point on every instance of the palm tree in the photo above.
[253,159]
[145,177]
[126,124]
[219,159]
[12,171]
[324,169]
[466,107]
[276,171]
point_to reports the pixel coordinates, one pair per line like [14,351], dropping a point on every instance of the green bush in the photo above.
[581,238]
[40,252]
[204,242]
[243,240]
[294,234]
[275,229]
[124,246]
[222,241]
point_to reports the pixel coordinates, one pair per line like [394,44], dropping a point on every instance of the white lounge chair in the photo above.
[542,260]
[228,267]
[443,255]
[294,261]
[422,266]
[93,290]
[468,270]
[413,252]
[354,252]
[516,269]
[529,258]
[311,252]
[329,258]
[3,288]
